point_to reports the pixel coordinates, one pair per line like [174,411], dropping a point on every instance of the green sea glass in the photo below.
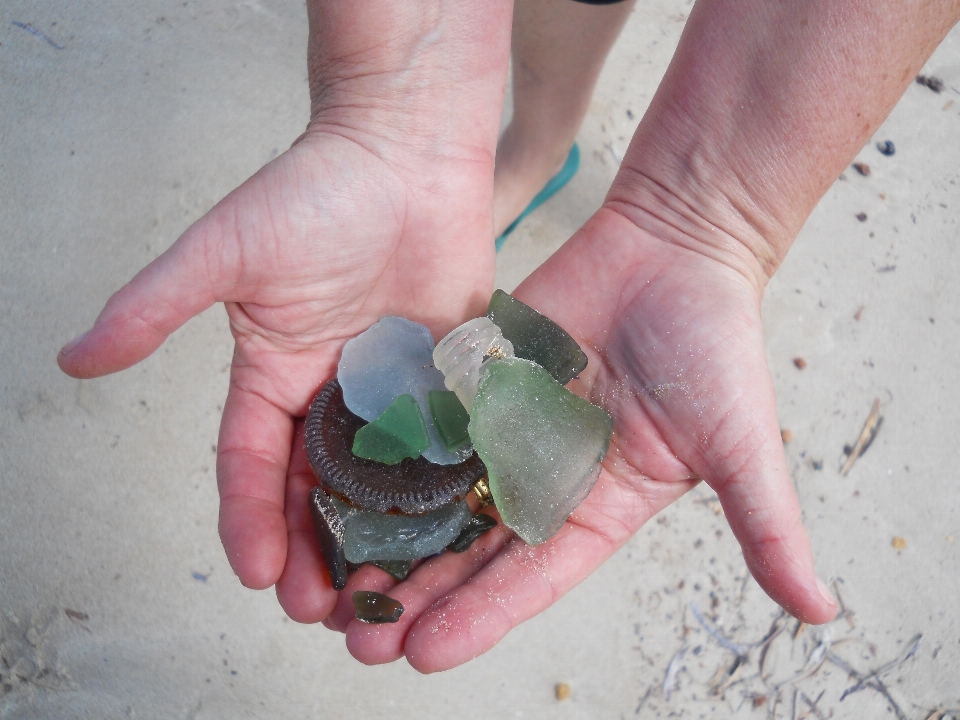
[450,418]
[542,446]
[536,337]
[398,433]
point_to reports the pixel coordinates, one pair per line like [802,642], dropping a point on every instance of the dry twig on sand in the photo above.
[867,435]
[670,681]
[873,679]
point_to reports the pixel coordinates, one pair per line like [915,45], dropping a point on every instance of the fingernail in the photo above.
[70,346]
[825,593]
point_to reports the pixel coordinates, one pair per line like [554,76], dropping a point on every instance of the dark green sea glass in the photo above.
[397,568]
[450,418]
[537,338]
[478,525]
[398,433]
[374,607]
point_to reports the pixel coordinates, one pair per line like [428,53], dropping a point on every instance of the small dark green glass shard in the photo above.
[398,433]
[374,607]
[450,418]
[536,337]
[398,568]
[478,525]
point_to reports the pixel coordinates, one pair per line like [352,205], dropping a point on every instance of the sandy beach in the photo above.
[122,123]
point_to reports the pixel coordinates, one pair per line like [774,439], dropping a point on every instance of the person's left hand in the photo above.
[676,356]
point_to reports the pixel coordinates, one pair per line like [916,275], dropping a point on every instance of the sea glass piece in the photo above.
[536,337]
[411,487]
[390,358]
[374,607]
[398,433]
[330,532]
[462,353]
[542,446]
[450,417]
[399,569]
[478,525]
[372,536]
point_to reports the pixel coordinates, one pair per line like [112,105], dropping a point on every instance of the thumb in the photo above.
[179,284]
[761,505]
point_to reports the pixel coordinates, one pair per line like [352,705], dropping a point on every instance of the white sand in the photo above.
[152,111]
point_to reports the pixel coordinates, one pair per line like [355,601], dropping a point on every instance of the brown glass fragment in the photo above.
[411,487]
[478,525]
[374,607]
[329,529]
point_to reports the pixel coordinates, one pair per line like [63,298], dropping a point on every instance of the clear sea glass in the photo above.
[462,353]
[542,445]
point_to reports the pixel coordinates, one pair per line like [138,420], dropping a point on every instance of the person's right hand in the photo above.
[309,252]
[383,207]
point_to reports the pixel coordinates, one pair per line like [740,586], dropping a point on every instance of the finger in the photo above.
[521,582]
[252,461]
[761,505]
[376,644]
[304,590]
[742,458]
[524,580]
[158,300]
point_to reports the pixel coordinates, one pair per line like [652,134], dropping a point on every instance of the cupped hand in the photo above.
[677,357]
[339,231]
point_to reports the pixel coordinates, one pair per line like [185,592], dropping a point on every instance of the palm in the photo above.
[676,356]
[309,252]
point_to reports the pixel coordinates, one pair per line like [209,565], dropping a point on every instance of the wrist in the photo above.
[756,118]
[414,74]
[699,216]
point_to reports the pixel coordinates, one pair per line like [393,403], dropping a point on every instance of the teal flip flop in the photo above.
[568,170]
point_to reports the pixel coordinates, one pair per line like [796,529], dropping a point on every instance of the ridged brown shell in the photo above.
[411,487]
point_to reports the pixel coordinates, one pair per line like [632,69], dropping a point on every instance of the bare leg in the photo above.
[559,47]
